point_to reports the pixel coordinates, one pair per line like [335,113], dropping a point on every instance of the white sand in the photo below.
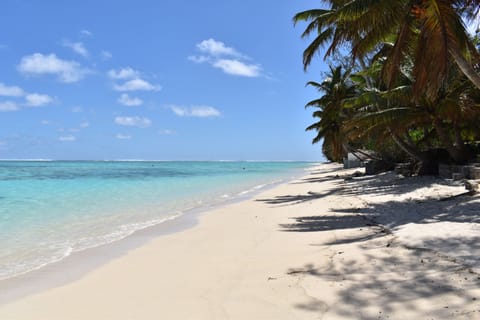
[378,247]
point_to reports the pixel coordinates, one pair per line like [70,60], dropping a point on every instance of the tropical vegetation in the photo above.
[404,80]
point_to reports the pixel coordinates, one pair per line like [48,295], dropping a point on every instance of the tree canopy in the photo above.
[409,90]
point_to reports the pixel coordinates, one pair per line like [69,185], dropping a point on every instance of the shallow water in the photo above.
[49,209]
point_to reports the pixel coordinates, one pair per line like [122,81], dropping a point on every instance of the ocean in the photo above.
[51,209]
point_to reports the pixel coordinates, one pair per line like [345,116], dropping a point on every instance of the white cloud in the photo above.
[37,100]
[84,124]
[137,85]
[123,136]
[227,59]
[196,111]
[40,64]
[106,55]
[77,109]
[77,47]
[126,100]
[85,32]
[167,132]
[217,48]
[123,74]
[67,138]
[46,122]
[31,99]
[10,91]
[133,122]
[6,106]
[132,82]
[237,68]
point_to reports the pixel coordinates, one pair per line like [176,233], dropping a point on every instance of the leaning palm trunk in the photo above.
[408,149]
[358,153]
[466,68]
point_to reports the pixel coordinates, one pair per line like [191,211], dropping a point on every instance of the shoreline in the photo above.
[79,263]
[325,245]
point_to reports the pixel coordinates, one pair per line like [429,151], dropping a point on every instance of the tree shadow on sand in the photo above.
[394,277]
[295,199]
[412,282]
[349,185]
[326,178]
[387,281]
[455,207]
[390,215]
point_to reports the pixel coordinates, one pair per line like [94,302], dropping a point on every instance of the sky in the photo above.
[155,80]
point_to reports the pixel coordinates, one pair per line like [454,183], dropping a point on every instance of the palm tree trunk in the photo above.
[457,152]
[458,137]
[410,150]
[466,68]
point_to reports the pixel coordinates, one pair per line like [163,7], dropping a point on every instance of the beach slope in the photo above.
[326,246]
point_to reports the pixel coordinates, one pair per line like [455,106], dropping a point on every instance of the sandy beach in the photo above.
[331,245]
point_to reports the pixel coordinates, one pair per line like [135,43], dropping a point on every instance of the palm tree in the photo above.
[384,117]
[429,31]
[395,114]
[335,88]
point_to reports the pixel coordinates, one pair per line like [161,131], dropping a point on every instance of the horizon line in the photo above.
[147,160]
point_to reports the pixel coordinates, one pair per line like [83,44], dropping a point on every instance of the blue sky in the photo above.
[166,80]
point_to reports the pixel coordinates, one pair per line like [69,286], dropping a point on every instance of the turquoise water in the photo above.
[50,209]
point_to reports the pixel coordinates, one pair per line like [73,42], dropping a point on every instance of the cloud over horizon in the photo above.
[167,132]
[195,111]
[217,48]
[137,85]
[77,47]
[225,58]
[68,138]
[238,68]
[132,80]
[10,91]
[37,100]
[15,92]
[128,101]
[86,33]
[38,64]
[123,74]
[134,121]
[121,136]
[6,106]
[106,55]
